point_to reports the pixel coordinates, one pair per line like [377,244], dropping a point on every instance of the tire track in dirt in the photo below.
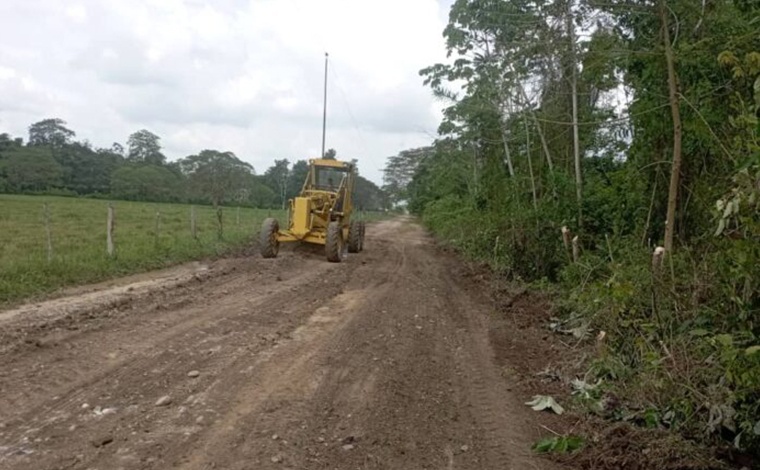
[382,361]
[154,331]
[150,354]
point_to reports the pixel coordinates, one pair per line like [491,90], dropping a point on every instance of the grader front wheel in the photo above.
[268,238]
[334,242]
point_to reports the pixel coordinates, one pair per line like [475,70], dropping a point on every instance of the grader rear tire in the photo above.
[268,238]
[334,242]
[355,237]
[363,227]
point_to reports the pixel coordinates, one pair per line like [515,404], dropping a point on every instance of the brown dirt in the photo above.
[392,359]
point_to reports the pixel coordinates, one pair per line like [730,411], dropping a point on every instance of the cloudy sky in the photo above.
[238,75]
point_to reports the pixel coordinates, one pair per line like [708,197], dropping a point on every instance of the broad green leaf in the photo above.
[558,444]
[545,445]
[752,350]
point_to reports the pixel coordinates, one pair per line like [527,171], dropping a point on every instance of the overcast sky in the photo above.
[238,75]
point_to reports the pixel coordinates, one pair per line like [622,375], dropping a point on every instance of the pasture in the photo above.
[146,236]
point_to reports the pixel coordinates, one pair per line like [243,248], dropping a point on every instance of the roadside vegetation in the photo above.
[610,152]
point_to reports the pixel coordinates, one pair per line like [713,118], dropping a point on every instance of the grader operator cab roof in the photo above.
[329,175]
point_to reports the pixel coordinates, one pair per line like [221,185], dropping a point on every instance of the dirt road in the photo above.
[382,361]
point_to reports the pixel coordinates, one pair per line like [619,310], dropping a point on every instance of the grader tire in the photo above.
[268,238]
[334,242]
[355,237]
[363,227]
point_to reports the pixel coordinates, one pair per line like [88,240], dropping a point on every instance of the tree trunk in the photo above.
[675,172]
[530,163]
[538,129]
[506,151]
[504,139]
[576,141]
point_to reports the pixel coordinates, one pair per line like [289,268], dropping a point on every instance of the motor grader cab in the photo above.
[320,214]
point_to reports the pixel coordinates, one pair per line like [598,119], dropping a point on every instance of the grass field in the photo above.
[78,236]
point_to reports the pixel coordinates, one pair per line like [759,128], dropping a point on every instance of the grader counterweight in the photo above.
[320,214]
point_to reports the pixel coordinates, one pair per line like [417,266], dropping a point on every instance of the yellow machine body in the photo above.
[326,196]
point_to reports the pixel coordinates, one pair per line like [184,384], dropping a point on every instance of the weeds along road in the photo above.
[382,361]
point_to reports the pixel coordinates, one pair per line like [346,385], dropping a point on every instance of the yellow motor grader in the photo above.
[321,214]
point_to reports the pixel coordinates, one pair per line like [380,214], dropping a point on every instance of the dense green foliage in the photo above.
[146,236]
[681,340]
[52,162]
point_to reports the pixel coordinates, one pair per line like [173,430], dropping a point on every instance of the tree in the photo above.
[8,143]
[117,149]
[367,195]
[31,169]
[296,178]
[330,154]
[85,170]
[261,195]
[276,177]
[144,147]
[50,132]
[675,108]
[146,183]
[219,177]
[399,171]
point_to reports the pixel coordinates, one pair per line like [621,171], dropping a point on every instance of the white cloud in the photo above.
[77,12]
[239,75]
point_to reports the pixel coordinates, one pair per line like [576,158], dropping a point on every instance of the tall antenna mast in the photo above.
[324,110]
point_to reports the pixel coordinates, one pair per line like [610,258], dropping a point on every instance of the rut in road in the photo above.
[382,361]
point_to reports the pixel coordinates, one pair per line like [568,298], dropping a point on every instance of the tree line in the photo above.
[52,161]
[630,130]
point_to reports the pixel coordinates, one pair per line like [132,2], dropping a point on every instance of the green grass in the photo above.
[78,232]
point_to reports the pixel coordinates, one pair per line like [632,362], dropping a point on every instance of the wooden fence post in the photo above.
[193,231]
[48,233]
[220,227]
[158,227]
[109,231]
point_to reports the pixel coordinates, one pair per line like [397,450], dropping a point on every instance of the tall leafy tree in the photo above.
[145,147]
[399,171]
[218,177]
[276,177]
[50,132]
